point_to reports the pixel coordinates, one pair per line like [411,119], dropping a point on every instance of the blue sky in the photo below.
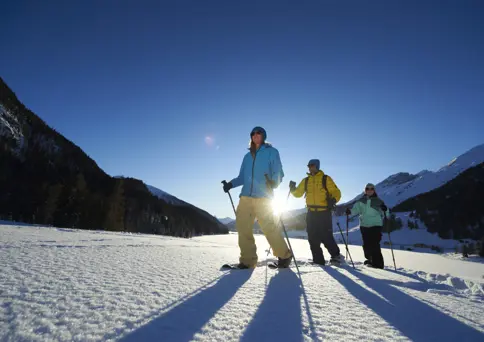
[369,88]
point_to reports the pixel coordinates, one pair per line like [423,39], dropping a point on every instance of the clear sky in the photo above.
[168,92]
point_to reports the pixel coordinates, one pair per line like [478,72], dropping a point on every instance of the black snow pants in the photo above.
[320,230]
[371,245]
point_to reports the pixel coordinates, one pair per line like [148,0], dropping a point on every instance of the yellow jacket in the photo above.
[316,194]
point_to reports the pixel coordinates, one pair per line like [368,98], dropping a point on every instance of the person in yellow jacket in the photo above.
[322,194]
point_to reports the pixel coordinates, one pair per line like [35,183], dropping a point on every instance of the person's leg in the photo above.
[326,226]
[376,255]
[264,213]
[244,224]
[314,237]
[365,235]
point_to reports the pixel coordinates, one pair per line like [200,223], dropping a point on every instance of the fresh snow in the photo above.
[74,285]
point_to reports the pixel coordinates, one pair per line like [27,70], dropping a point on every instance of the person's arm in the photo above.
[333,189]
[356,209]
[239,180]
[299,191]
[277,173]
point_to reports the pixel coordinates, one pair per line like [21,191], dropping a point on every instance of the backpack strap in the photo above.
[325,177]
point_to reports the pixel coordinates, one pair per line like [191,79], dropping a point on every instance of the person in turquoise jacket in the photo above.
[371,210]
[260,173]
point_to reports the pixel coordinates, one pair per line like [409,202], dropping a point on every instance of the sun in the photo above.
[278,204]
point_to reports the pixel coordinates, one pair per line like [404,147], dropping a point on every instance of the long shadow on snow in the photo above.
[413,318]
[279,312]
[186,319]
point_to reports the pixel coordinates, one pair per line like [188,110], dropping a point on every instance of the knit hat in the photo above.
[260,130]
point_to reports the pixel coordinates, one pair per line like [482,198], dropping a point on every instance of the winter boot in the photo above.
[336,260]
[283,263]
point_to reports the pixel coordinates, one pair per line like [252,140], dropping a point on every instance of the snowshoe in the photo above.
[280,263]
[238,266]
[337,260]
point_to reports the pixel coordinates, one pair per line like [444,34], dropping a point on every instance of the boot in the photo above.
[283,263]
[336,260]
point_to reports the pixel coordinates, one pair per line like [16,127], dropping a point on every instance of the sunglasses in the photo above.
[310,165]
[256,132]
[367,189]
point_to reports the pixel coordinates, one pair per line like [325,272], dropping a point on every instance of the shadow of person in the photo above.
[187,318]
[279,313]
[413,318]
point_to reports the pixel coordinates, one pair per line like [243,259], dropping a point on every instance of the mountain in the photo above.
[454,210]
[166,196]
[401,186]
[226,220]
[47,179]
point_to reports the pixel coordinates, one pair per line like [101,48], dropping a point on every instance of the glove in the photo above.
[292,185]
[383,207]
[348,211]
[227,186]
[331,202]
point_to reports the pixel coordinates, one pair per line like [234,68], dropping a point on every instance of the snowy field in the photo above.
[70,285]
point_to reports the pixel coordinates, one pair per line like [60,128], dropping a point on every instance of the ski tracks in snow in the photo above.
[68,285]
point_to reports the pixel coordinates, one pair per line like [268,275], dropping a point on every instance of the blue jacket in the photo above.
[252,171]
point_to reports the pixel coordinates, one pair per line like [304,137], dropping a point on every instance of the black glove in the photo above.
[383,207]
[331,202]
[348,211]
[292,185]
[227,186]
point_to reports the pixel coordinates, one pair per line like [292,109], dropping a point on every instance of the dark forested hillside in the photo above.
[46,179]
[454,210]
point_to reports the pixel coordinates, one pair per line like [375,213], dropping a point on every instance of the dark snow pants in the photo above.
[320,230]
[371,245]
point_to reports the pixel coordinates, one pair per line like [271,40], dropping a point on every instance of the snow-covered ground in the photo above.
[72,285]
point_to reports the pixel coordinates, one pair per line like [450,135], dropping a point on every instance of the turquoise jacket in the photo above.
[370,212]
[253,170]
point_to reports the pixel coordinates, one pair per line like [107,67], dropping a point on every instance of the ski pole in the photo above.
[230,196]
[344,240]
[287,199]
[390,239]
[290,247]
[347,238]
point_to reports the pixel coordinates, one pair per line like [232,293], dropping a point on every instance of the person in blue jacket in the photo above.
[261,172]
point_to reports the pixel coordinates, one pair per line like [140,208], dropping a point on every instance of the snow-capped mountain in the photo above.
[402,186]
[226,220]
[168,198]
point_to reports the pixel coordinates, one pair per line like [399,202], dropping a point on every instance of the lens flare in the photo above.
[278,204]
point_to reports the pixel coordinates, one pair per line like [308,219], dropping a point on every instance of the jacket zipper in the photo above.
[253,165]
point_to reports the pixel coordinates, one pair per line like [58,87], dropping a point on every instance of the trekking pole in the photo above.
[344,240]
[230,196]
[347,238]
[289,243]
[287,199]
[390,239]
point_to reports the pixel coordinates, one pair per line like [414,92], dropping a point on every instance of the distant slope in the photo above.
[402,186]
[165,196]
[454,210]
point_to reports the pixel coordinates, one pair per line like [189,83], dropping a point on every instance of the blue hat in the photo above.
[261,130]
[315,162]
